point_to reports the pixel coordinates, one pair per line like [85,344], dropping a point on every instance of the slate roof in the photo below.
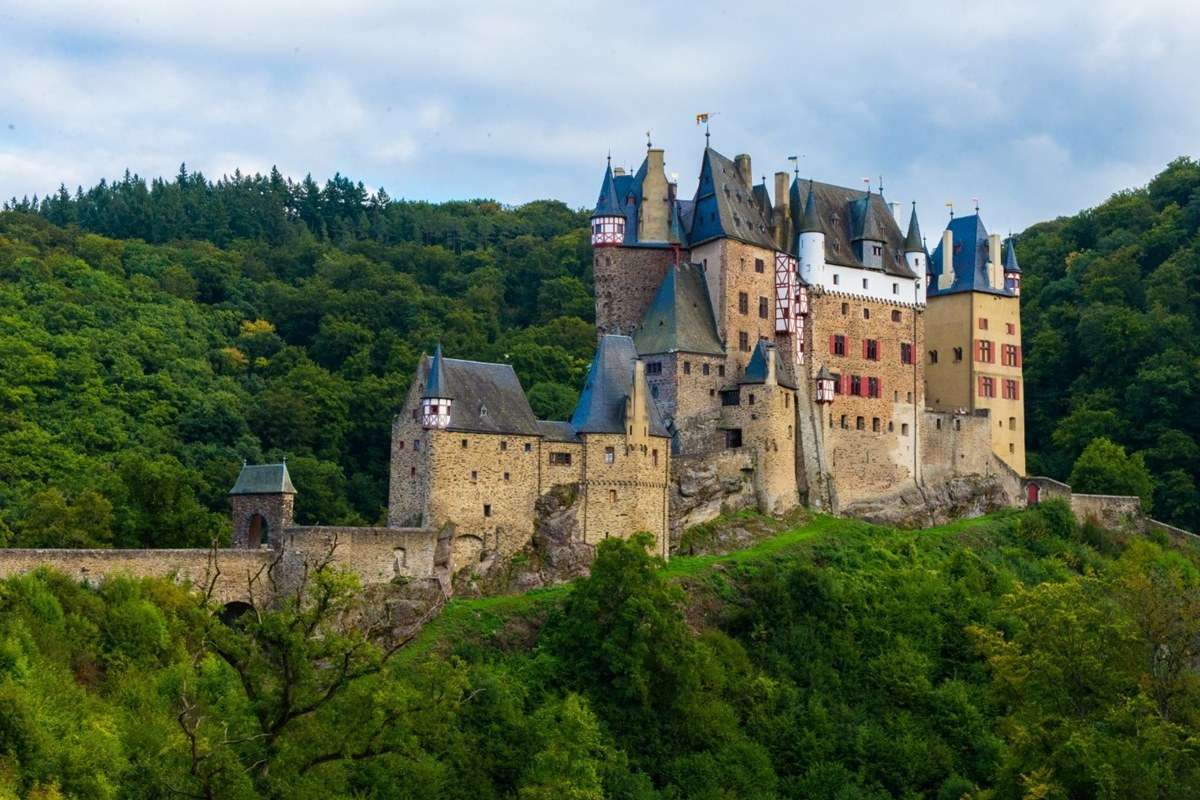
[556,431]
[680,318]
[433,384]
[725,207]
[609,203]
[263,479]
[487,397]
[840,221]
[969,259]
[601,407]
[866,224]
[756,370]
[812,220]
[913,242]
[1010,256]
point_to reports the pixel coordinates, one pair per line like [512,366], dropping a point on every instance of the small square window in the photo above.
[487,509]
[845,309]
[464,444]
[506,479]
[758,265]
[836,277]
[610,455]
[720,370]
[895,288]
[503,445]
[864,283]
[687,368]
[528,447]
[866,313]
[612,495]
[474,475]
[896,316]
[704,369]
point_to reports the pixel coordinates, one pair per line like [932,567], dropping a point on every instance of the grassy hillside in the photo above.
[1016,656]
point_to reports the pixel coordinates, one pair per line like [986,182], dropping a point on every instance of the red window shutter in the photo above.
[845,384]
[991,352]
[879,387]
[864,348]
[1018,355]
[879,350]
[1016,390]
[832,341]
[981,394]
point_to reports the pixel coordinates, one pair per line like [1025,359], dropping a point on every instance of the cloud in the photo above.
[1038,108]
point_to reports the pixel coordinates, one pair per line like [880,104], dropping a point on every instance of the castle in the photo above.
[753,351]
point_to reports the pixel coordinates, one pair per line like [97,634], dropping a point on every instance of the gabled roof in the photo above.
[609,203]
[834,215]
[725,207]
[1010,256]
[969,259]
[913,242]
[601,407]
[487,398]
[263,479]
[756,370]
[680,317]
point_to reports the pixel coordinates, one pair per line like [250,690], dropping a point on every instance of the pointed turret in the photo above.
[811,222]
[810,253]
[1012,270]
[913,243]
[436,400]
[608,220]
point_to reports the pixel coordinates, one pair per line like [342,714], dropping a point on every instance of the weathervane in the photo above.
[795,165]
[649,144]
[702,119]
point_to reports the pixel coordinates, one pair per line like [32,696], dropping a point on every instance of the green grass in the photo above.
[484,618]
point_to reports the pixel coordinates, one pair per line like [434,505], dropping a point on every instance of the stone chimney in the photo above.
[946,279]
[742,162]
[772,378]
[654,224]
[995,269]
[781,191]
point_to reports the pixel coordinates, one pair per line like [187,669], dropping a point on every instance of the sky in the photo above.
[1037,109]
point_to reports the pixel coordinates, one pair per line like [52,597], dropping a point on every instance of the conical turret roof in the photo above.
[913,242]
[1010,257]
[608,205]
[812,221]
[435,386]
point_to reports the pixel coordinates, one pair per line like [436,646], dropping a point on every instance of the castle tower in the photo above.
[636,235]
[973,339]
[812,241]
[608,220]
[914,247]
[435,400]
[868,234]
[261,502]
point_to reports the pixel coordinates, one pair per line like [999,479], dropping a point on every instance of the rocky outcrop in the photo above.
[555,554]
[703,490]
[931,504]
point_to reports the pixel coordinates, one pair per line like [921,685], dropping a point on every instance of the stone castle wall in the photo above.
[626,280]
[630,493]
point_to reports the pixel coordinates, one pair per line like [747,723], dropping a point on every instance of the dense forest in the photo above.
[1111,308]
[154,335]
[153,338]
[1010,658]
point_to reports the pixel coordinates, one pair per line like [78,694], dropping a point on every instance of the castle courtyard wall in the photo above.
[629,494]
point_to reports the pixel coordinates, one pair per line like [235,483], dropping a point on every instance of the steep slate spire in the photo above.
[811,222]
[913,243]
[608,205]
[1010,257]
[434,387]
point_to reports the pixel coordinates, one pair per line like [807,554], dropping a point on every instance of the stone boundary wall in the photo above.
[375,555]
[236,567]
[1111,511]
[1177,535]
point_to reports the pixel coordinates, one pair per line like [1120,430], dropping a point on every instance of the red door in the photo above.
[1031,494]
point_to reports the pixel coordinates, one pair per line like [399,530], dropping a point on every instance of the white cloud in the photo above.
[1031,105]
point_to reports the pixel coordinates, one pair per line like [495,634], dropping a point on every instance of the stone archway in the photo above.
[232,611]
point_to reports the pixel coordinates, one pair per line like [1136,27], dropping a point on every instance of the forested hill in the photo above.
[1111,310]
[153,335]
[151,338]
